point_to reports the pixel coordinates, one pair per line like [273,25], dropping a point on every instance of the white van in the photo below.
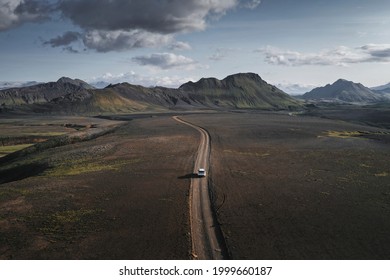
[201,172]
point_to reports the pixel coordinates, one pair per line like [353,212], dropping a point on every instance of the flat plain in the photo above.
[294,187]
[117,196]
[284,186]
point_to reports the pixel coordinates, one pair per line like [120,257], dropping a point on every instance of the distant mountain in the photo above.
[100,84]
[6,85]
[41,93]
[384,91]
[382,88]
[344,91]
[67,96]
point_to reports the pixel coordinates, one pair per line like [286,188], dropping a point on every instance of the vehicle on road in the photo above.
[201,172]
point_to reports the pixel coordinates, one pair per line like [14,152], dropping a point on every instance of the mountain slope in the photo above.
[41,93]
[239,91]
[345,91]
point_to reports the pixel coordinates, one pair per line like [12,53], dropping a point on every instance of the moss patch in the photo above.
[383,174]
[352,134]
[5,150]
[81,167]
[12,193]
[344,134]
[66,225]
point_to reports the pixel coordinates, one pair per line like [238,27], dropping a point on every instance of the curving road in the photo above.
[205,232]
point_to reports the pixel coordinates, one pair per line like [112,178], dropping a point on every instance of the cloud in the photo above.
[180,46]
[64,40]
[165,17]
[118,25]
[105,41]
[70,49]
[222,53]
[218,55]
[340,56]
[17,12]
[377,51]
[165,61]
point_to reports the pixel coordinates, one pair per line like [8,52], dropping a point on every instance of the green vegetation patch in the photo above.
[383,174]
[344,134]
[12,193]
[351,134]
[256,154]
[5,150]
[73,216]
[45,134]
[66,225]
[81,167]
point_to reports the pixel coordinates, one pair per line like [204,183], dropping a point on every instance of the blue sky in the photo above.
[294,44]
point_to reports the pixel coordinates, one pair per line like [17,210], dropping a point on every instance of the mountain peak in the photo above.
[342,81]
[63,80]
[76,82]
[248,75]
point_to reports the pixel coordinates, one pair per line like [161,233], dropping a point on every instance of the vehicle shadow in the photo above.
[188,176]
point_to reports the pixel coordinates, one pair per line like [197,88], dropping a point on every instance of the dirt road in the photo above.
[205,232]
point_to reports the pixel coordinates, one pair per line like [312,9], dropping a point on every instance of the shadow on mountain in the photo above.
[22,172]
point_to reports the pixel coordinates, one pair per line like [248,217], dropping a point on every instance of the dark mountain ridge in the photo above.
[68,96]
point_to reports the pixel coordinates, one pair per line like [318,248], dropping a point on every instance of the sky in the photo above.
[293,44]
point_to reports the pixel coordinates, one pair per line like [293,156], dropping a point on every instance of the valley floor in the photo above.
[285,187]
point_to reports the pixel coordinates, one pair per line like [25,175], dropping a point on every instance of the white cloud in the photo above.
[105,41]
[180,46]
[340,56]
[166,61]
[219,55]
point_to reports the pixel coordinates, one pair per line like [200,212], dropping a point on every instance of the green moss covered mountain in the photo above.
[67,96]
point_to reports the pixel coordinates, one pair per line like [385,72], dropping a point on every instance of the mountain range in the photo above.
[238,91]
[69,96]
